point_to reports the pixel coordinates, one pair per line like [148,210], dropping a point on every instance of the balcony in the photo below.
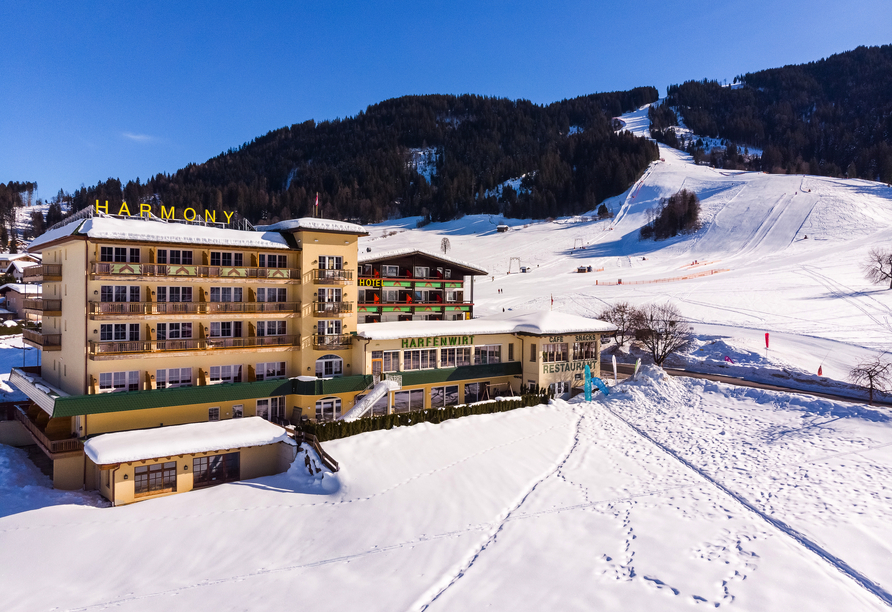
[330,309]
[332,277]
[53,444]
[41,273]
[131,270]
[51,308]
[333,342]
[99,350]
[38,339]
[113,309]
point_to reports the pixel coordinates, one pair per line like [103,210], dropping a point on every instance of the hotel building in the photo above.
[151,326]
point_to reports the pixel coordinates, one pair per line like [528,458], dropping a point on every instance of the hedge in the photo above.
[335,430]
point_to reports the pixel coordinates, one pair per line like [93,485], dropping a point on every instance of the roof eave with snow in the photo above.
[309,224]
[161,442]
[547,323]
[372,257]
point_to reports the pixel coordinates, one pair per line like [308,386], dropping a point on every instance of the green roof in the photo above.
[208,394]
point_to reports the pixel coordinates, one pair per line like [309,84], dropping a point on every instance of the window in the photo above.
[226,374]
[120,255]
[270,370]
[110,382]
[447,273]
[423,359]
[174,294]
[406,401]
[366,269]
[532,352]
[119,293]
[453,295]
[560,387]
[444,396]
[214,414]
[391,295]
[454,357]
[106,254]
[219,258]
[476,392]
[174,331]
[175,257]
[271,294]
[238,411]
[226,294]
[422,271]
[390,270]
[422,295]
[390,360]
[554,352]
[329,262]
[155,478]
[226,329]
[173,377]
[119,332]
[329,327]
[216,469]
[269,260]
[328,409]
[134,255]
[329,294]
[329,365]
[273,409]
[511,351]
[271,328]
[489,353]
[585,350]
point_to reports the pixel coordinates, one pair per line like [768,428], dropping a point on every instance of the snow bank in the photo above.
[183,439]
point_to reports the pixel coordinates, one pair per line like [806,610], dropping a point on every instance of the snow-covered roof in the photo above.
[143,230]
[536,323]
[137,445]
[14,256]
[20,265]
[23,288]
[370,257]
[318,225]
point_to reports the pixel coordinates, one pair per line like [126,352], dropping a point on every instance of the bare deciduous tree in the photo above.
[878,266]
[664,331]
[874,374]
[444,245]
[625,317]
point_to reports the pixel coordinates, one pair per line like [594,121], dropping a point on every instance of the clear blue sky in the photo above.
[92,90]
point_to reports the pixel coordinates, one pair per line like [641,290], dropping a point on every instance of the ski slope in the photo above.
[755,268]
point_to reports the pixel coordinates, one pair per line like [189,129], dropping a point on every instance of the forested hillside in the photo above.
[435,155]
[832,117]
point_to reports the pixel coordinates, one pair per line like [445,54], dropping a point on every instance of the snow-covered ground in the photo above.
[668,493]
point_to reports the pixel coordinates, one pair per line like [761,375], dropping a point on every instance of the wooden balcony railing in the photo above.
[173,308]
[42,272]
[47,342]
[53,446]
[332,341]
[44,306]
[332,277]
[176,270]
[190,344]
[324,309]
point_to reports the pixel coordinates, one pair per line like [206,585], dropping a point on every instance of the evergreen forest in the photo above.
[831,117]
[436,156]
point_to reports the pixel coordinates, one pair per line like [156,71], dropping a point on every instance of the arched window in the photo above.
[329,365]
[328,409]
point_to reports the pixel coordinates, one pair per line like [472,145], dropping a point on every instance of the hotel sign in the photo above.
[145,210]
[369,282]
[438,341]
